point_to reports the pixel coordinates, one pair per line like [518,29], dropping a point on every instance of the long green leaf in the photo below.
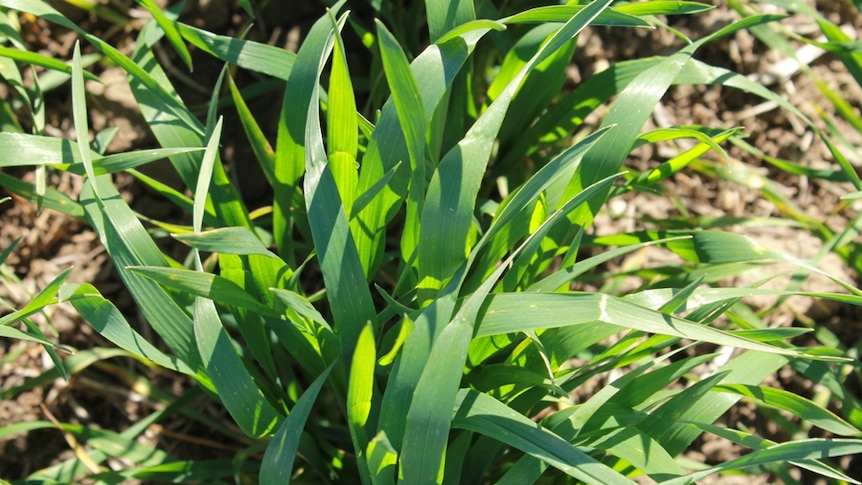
[174,126]
[14,333]
[170,28]
[483,414]
[444,15]
[247,54]
[204,177]
[342,125]
[427,423]
[40,60]
[662,423]
[654,299]
[129,244]
[360,395]
[448,210]
[240,394]
[79,116]
[798,405]
[560,278]
[434,71]
[203,284]
[44,298]
[528,194]
[660,7]
[414,365]
[411,115]
[290,156]
[505,314]
[781,453]
[278,460]
[562,13]
[236,389]
[757,443]
[261,147]
[52,199]
[632,108]
[66,155]
[347,287]
[748,368]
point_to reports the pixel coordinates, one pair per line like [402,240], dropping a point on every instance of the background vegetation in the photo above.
[417,290]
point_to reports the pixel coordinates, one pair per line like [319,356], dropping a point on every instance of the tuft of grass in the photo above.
[404,312]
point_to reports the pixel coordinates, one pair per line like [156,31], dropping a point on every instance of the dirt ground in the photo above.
[101,396]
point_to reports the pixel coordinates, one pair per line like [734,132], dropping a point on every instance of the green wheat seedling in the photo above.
[402,311]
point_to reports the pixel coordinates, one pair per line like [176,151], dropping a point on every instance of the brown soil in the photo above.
[101,396]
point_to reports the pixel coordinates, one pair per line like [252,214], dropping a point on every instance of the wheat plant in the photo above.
[404,309]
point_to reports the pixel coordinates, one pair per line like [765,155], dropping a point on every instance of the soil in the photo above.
[101,395]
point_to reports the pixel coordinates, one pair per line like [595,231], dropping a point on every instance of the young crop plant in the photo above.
[402,310]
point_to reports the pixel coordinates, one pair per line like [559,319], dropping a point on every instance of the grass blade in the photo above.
[261,147]
[347,287]
[204,285]
[434,71]
[342,125]
[14,333]
[278,460]
[226,240]
[52,199]
[427,421]
[40,60]
[448,211]
[242,398]
[254,56]
[562,13]
[177,127]
[781,453]
[798,405]
[79,115]
[484,414]
[170,29]
[632,108]
[295,112]
[360,393]
[132,246]
[42,299]
[237,390]
[504,314]
[111,324]
[445,15]
[411,115]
